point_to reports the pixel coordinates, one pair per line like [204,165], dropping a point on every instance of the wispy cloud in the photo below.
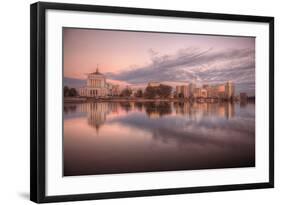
[203,65]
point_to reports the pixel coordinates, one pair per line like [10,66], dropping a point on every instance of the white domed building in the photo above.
[96,86]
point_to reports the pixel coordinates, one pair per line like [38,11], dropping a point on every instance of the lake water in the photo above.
[111,137]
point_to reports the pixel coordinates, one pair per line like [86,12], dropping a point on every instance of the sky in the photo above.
[135,58]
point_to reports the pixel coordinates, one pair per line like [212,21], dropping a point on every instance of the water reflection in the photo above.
[97,111]
[111,137]
[226,110]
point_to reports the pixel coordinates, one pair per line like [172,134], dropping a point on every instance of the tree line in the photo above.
[69,92]
[161,91]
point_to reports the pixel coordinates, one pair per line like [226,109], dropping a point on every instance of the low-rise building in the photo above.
[182,91]
[185,91]
[178,90]
[153,84]
[243,97]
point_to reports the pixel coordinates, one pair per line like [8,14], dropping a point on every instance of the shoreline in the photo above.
[122,100]
[82,100]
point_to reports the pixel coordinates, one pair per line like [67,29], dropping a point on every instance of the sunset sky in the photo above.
[136,58]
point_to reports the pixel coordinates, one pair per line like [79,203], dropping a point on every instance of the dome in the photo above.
[96,72]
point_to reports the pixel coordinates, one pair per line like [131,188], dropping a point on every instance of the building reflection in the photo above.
[229,110]
[97,112]
[243,103]
[195,110]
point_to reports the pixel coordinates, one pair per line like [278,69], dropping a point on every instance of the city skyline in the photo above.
[136,58]
[97,87]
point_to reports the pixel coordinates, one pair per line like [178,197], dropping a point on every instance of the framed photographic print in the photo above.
[129,102]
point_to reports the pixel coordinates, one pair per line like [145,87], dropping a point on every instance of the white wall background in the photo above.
[14,101]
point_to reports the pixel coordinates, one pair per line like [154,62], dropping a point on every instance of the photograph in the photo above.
[142,101]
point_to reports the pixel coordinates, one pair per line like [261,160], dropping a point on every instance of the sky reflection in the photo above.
[103,138]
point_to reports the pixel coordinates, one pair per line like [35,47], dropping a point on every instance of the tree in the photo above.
[69,92]
[126,92]
[73,92]
[181,95]
[164,90]
[65,91]
[151,92]
[139,93]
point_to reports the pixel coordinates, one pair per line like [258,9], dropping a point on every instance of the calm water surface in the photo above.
[110,137]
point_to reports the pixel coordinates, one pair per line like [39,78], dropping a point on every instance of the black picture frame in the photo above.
[38,101]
